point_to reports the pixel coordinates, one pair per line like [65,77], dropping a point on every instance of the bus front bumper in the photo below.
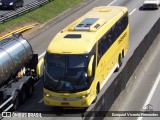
[63,103]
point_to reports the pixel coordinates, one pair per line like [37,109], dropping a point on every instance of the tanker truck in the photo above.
[17,72]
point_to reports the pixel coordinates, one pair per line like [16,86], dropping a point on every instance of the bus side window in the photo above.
[99,50]
[102,47]
[119,27]
[125,21]
[115,32]
[109,38]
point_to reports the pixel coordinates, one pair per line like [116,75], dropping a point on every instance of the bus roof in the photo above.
[81,35]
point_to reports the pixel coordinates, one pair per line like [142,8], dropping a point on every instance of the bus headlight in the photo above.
[47,95]
[84,96]
[11,3]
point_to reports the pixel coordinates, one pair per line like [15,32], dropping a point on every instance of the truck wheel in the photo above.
[15,101]
[30,88]
[23,94]
[1,101]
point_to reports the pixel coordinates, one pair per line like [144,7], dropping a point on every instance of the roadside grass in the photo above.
[40,15]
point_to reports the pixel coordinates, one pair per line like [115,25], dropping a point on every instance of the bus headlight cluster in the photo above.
[84,96]
[66,99]
[11,3]
[47,95]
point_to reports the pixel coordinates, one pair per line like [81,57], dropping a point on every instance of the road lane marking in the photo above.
[41,100]
[151,93]
[132,11]
[42,55]
[111,3]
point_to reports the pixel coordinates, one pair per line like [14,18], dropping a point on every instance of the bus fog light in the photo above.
[84,96]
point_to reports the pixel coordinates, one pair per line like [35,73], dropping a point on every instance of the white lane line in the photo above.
[151,94]
[132,11]
[41,100]
[42,55]
[111,3]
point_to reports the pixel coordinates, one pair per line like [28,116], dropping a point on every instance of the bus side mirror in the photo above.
[90,67]
[39,65]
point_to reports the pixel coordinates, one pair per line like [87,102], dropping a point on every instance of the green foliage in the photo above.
[42,14]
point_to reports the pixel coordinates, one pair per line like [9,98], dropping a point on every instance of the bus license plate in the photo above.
[65,103]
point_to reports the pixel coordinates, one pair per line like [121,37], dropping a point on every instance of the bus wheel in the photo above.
[120,60]
[97,91]
[15,101]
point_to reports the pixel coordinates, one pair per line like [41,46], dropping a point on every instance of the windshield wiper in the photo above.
[51,77]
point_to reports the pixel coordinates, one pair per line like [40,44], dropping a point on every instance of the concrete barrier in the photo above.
[107,98]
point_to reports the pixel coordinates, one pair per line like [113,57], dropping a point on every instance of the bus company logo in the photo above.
[121,39]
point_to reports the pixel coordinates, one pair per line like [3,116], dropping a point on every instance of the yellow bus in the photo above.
[81,58]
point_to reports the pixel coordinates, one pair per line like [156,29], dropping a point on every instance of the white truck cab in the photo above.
[148,4]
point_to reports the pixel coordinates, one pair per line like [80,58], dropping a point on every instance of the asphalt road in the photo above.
[140,23]
[25,3]
[143,88]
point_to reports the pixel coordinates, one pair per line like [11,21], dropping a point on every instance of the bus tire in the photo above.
[123,53]
[120,61]
[97,91]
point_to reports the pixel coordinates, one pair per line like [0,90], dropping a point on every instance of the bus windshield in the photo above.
[66,73]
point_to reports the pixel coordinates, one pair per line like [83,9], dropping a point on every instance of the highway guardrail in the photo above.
[20,30]
[19,11]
